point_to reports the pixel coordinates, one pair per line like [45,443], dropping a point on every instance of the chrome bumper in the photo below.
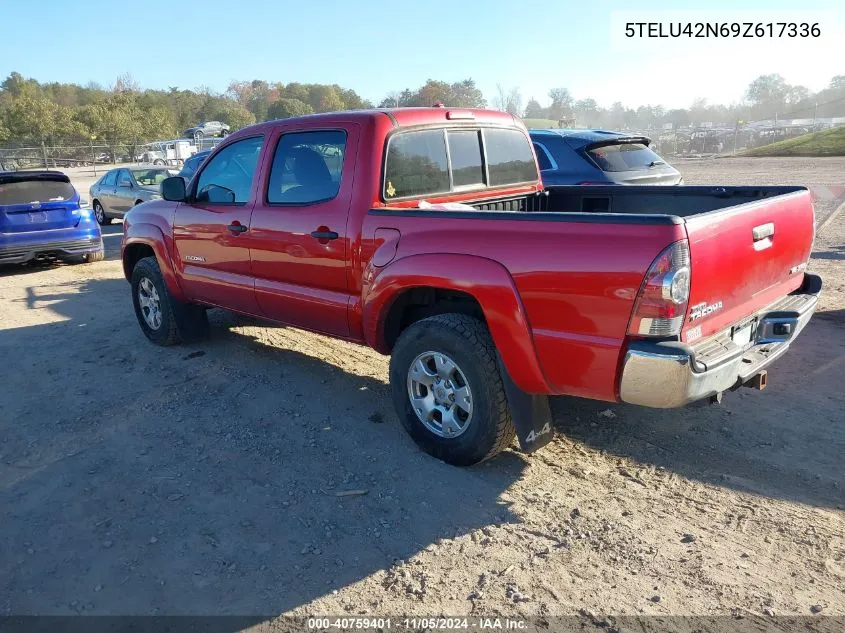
[668,375]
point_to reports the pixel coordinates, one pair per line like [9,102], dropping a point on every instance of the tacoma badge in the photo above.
[703,309]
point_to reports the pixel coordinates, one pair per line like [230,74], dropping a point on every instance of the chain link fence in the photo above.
[43,156]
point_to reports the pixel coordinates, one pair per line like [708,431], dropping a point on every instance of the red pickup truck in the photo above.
[427,234]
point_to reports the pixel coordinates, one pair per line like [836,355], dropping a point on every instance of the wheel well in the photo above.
[95,201]
[420,303]
[137,202]
[133,254]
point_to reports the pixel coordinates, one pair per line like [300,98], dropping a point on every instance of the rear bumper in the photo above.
[669,375]
[21,252]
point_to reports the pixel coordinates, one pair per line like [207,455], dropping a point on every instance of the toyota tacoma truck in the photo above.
[427,234]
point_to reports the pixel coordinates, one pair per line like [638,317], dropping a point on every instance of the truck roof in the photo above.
[401,117]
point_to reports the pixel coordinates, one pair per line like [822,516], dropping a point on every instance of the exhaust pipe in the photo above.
[757,381]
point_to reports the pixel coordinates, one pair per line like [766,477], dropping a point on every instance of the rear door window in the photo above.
[416,165]
[509,157]
[307,167]
[110,179]
[624,157]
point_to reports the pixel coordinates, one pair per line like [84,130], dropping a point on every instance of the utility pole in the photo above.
[736,133]
[815,115]
[93,158]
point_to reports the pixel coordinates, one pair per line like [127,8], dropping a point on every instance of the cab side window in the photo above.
[227,177]
[307,167]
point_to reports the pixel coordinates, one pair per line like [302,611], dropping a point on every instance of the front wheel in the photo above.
[163,319]
[448,391]
[158,161]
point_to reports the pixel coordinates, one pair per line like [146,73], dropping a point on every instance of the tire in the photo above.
[100,214]
[177,322]
[158,161]
[137,202]
[224,133]
[466,342]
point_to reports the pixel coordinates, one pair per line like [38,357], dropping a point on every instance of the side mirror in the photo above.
[216,194]
[173,189]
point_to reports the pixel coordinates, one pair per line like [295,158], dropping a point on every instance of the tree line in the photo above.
[62,113]
[769,97]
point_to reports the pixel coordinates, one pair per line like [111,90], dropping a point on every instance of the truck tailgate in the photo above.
[744,258]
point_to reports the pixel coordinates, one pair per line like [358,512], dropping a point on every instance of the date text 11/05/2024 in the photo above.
[722,30]
[417,624]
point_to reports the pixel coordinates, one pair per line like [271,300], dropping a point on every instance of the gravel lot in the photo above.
[264,472]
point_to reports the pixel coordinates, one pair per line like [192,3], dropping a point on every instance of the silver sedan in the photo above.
[121,189]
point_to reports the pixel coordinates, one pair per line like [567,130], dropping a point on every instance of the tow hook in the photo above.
[757,381]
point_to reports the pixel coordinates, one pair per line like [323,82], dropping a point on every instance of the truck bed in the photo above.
[682,201]
[645,201]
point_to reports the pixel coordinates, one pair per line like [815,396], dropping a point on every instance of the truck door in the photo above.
[211,231]
[298,238]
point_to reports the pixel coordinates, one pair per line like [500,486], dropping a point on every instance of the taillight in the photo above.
[662,301]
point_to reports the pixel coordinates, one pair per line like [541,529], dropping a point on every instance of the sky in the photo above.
[379,47]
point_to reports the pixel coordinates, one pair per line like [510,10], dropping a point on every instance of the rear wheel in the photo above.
[163,319]
[100,214]
[158,161]
[448,391]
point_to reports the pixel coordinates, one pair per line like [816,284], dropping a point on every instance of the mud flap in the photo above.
[531,414]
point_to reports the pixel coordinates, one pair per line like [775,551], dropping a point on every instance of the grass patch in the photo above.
[825,143]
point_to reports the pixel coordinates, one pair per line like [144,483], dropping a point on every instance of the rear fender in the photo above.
[487,281]
[150,235]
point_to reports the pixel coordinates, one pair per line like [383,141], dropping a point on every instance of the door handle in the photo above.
[324,235]
[237,227]
[763,231]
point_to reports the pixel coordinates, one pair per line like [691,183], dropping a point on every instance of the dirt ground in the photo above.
[211,479]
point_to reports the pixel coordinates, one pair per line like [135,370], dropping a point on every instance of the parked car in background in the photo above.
[192,164]
[118,190]
[597,157]
[207,128]
[42,216]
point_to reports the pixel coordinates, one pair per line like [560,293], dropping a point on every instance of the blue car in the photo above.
[192,164]
[597,157]
[41,217]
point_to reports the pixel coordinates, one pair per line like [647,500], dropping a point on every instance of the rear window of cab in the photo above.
[446,160]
